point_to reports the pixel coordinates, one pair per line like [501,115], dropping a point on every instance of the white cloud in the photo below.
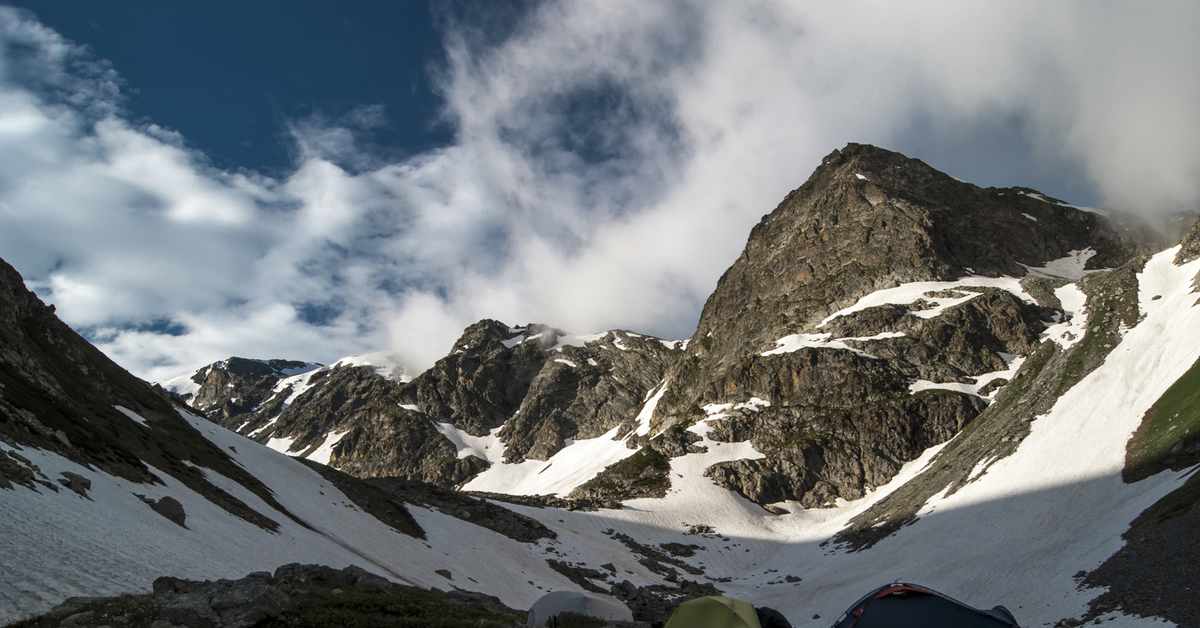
[610,159]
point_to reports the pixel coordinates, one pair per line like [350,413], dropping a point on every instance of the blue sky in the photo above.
[229,75]
[191,180]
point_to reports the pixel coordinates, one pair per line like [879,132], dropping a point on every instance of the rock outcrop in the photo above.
[843,419]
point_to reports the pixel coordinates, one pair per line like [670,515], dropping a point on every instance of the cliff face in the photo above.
[841,421]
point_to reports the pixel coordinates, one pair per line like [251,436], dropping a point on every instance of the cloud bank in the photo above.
[609,160]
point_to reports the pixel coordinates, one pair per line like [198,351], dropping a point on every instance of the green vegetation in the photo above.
[1174,504]
[1173,419]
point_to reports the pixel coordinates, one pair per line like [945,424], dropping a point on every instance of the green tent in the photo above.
[714,611]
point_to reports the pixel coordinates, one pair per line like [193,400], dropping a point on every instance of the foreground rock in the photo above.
[295,595]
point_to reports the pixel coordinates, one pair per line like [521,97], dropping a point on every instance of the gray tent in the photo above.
[592,604]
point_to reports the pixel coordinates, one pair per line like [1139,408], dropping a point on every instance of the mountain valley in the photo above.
[902,377]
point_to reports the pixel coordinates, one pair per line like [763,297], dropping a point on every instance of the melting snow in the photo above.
[910,292]
[137,418]
[323,452]
[1014,364]
[1073,325]
[488,447]
[575,464]
[1069,267]
[795,342]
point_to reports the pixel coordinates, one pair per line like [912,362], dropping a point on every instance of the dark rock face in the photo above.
[868,219]
[483,380]
[584,392]
[170,508]
[840,237]
[816,454]
[238,386]
[1112,305]
[542,393]
[59,393]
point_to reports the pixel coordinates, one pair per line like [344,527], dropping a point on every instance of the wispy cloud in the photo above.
[609,160]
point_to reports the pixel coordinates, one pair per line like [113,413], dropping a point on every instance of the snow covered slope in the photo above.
[55,545]
[987,399]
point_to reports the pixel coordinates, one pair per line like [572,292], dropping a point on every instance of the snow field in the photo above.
[1016,536]
[575,464]
[58,545]
[578,462]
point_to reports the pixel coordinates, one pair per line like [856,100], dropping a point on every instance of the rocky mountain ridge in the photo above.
[989,419]
[841,414]
[534,386]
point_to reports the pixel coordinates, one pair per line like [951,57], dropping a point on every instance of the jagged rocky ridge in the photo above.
[534,384]
[833,423]
[840,422]
[937,335]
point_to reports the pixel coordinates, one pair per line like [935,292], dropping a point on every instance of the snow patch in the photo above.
[182,385]
[795,342]
[1073,322]
[489,447]
[573,465]
[1069,267]
[1013,362]
[906,294]
[137,418]
[386,364]
[323,452]
[647,413]
[282,445]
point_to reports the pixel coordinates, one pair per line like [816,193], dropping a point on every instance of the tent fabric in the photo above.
[591,604]
[903,605]
[714,611]
[771,618]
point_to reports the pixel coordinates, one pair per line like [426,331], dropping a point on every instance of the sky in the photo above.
[191,180]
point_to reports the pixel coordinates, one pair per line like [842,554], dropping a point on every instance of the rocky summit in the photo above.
[833,423]
[902,376]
